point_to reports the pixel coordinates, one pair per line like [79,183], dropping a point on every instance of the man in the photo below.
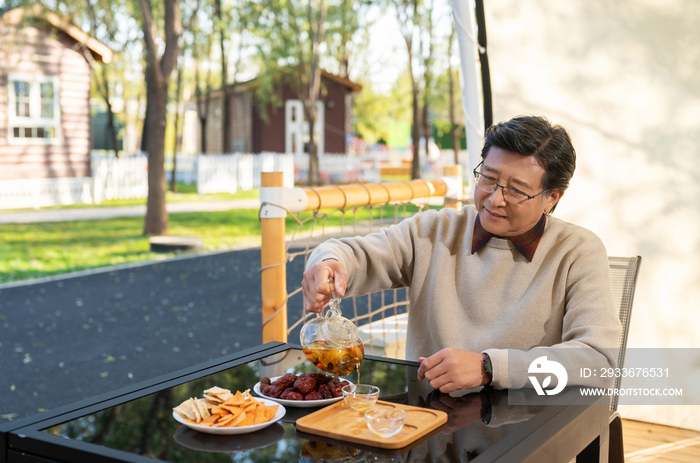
[488,279]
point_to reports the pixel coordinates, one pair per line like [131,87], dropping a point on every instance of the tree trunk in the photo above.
[314,168]
[225,112]
[161,66]
[156,222]
[176,137]
[103,88]
[313,88]
[415,134]
[203,113]
[110,113]
[409,28]
[203,129]
[344,57]
[426,126]
[202,102]
[112,129]
[456,145]
[149,90]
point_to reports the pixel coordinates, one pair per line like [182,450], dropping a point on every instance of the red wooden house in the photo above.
[45,76]
[284,131]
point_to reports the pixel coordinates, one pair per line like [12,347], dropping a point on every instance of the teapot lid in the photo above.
[340,330]
[337,328]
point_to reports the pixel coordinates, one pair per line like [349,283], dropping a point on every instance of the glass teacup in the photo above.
[360,397]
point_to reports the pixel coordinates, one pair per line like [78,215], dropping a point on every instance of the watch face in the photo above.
[487,367]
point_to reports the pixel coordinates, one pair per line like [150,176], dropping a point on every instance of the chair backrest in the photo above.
[623,271]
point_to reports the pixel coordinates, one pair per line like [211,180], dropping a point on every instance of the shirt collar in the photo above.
[526,243]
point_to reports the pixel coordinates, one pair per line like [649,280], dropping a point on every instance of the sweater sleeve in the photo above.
[381,260]
[590,326]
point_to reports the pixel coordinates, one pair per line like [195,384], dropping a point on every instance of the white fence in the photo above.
[185,168]
[123,178]
[229,173]
[44,192]
[127,177]
[339,169]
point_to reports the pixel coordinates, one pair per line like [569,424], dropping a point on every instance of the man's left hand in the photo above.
[453,369]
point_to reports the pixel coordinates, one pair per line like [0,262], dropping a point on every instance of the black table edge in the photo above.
[64,412]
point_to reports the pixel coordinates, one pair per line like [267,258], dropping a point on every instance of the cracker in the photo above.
[185,411]
[202,408]
[238,421]
[237,399]
[220,408]
[216,390]
[213,399]
[270,411]
[210,421]
[225,420]
[195,409]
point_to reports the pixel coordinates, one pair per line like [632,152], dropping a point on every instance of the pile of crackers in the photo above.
[221,408]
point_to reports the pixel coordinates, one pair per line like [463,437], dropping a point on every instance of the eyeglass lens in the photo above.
[488,185]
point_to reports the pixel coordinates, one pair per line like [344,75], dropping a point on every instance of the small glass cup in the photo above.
[385,421]
[360,397]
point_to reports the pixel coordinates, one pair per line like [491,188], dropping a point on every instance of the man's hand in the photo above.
[315,287]
[453,369]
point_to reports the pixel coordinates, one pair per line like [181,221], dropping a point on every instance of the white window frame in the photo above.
[14,121]
[297,128]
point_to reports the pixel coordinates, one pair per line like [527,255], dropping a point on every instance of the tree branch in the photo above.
[173,28]
[150,34]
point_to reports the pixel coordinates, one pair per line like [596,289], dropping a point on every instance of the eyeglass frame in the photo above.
[503,188]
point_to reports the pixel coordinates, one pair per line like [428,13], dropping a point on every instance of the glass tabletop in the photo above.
[145,427]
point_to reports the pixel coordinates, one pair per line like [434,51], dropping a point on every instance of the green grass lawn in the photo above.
[53,248]
[185,193]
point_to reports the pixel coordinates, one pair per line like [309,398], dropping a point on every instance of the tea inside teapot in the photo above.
[332,342]
[339,361]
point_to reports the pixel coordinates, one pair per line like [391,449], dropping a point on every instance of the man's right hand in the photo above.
[315,287]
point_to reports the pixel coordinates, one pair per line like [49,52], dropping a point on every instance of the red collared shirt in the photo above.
[526,242]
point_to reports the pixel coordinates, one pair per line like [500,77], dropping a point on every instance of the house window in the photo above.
[34,112]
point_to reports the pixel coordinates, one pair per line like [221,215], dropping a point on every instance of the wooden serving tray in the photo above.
[339,421]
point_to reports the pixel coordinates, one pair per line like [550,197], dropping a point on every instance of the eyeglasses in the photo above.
[512,195]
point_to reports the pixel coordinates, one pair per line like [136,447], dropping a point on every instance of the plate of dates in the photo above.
[304,390]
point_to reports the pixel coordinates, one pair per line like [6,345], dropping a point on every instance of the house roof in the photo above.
[252,83]
[355,87]
[100,50]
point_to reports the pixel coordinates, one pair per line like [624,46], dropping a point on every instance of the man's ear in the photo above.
[552,200]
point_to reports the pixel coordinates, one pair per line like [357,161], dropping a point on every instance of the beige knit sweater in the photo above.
[493,301]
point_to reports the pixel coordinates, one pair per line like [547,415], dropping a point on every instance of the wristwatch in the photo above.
[488,369]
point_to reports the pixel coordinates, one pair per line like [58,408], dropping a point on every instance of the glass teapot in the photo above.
[331,341]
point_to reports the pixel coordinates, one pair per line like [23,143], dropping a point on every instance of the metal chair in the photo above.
[624,271]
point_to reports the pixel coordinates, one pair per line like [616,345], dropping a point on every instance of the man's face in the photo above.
[522,173]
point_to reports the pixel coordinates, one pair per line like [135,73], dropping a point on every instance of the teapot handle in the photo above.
[334,303]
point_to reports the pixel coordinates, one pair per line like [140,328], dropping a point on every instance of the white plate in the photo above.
[235,429]
[298,403]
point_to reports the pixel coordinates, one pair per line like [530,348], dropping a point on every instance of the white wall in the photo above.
[622,77]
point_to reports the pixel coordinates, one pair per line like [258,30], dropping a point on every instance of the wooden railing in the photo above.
[276,202]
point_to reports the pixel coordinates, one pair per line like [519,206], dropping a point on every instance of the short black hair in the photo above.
[536,136]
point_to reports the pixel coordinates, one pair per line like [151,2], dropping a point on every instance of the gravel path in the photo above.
[69,338]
